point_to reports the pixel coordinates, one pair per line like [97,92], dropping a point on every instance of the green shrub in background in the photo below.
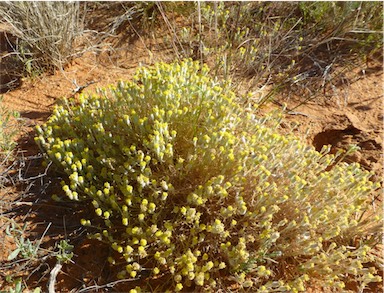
[295,47]
[199,193]
[7,132]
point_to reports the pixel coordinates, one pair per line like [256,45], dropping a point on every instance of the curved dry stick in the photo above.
[52,277]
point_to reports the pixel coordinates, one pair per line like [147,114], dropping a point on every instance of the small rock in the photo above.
[355,122]
[355,157]
[369,145]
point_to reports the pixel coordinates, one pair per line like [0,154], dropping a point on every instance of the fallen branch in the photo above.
[52,277]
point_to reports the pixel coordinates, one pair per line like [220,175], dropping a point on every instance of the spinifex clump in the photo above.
[203,194]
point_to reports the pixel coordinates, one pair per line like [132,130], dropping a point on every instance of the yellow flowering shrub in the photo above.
[190,188]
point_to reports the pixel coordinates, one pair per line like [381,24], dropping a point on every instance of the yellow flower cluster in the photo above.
[184,180]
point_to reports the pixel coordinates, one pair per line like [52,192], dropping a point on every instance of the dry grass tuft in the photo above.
[47,31]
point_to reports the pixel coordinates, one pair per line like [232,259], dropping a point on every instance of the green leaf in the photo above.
[14,254]
[19,286]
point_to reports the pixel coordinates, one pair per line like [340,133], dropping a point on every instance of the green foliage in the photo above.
[7,130]
[360,22]
[18,286]
[187,185]
[25,248]
[65,253]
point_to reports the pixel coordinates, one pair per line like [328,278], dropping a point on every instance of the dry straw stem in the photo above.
[47,29]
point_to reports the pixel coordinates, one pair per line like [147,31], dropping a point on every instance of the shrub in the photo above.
[301,48]
[8,130]
[191,188]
